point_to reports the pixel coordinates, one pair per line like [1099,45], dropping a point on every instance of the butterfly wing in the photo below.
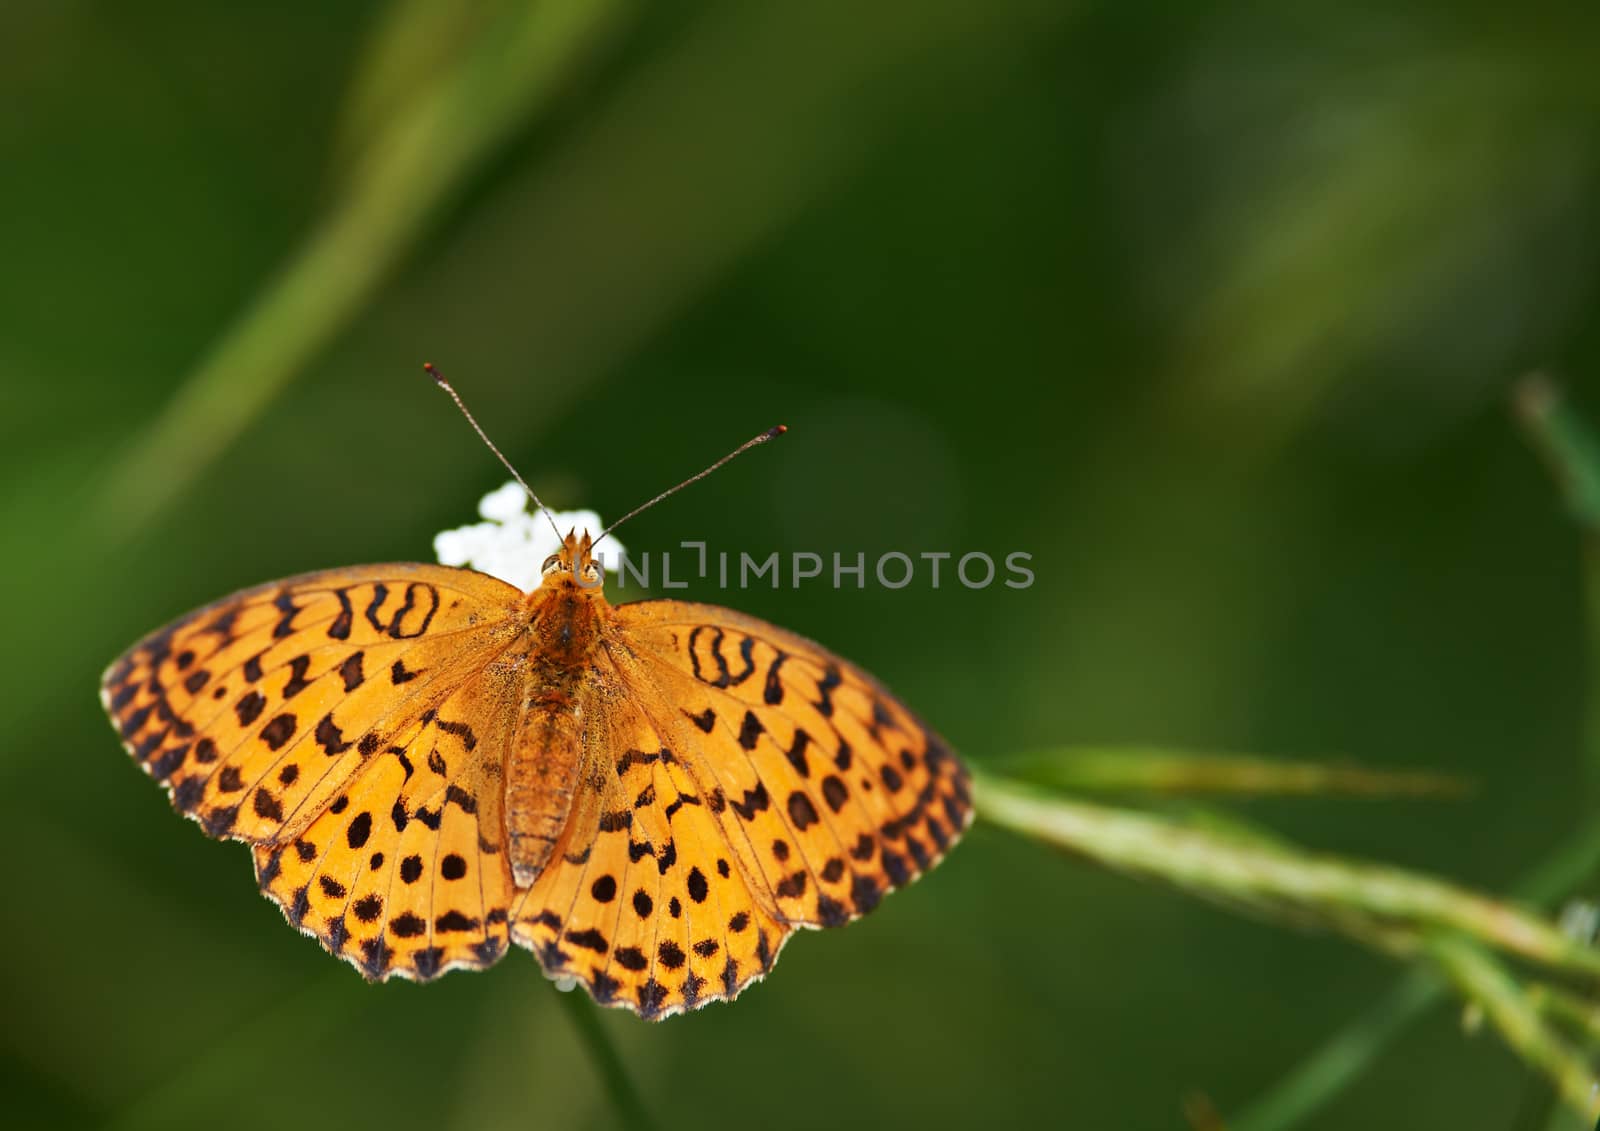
[754,783]
[641,901]
[344,723]
[806,750]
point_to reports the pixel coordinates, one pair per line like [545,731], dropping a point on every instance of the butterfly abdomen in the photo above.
[540,776]
[544,766]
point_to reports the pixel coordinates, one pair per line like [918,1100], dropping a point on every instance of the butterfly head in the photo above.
[573,566]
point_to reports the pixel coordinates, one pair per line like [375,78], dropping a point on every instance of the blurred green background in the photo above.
[1212,309]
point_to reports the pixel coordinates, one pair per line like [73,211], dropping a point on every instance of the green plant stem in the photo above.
[1559,1005]
[1485,981]
[1385,908]
[1276,879]
[1348,1053]
[625,1098]
[1148,770]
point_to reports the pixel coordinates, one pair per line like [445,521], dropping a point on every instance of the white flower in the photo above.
[512,543]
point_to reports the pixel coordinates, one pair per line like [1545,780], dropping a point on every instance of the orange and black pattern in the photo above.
[712,783]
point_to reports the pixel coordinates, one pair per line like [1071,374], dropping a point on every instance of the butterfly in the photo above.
[430,764]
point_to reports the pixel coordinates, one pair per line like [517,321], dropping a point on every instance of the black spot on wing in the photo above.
[706,720]
[455,921]
[831,681]
[330,737]
[651,994]
[796,754]
[350,671]
[864,893]
[755,801]
[604,987]
[380,594]
[297,677]
[277,732]
[249,707]
[830,912]
[286,607]
[408,925]
[802,813]
[267,807]
[359,830]
[463,731]
[773,691]
[220,821]
[340,628]
[633,758]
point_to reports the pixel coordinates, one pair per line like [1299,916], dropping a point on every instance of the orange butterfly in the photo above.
[428,763]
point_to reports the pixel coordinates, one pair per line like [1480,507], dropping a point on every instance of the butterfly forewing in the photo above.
[261,711]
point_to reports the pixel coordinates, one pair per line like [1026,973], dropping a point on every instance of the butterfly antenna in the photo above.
[770,434]
[438,379]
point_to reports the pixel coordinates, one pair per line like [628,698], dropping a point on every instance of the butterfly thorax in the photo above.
[563,679]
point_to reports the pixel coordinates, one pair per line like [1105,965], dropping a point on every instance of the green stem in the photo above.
[1354,897]
[1134,769]
[1350,1052]
[1485,981]
[1573,457]
[1560,1005]
[625,1098]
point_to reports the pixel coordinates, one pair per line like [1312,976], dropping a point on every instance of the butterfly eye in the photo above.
[591,574]
[551,563]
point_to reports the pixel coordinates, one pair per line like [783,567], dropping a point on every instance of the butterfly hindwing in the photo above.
[827,791]
[642,901]
[404,873]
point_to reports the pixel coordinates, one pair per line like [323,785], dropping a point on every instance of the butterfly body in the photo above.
[431,765]
[562,687]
